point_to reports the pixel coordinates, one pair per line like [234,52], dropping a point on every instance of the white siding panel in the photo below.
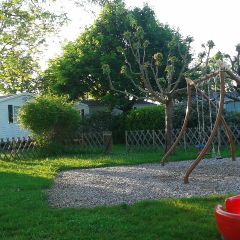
[82,106]
[9,130]
[232,107]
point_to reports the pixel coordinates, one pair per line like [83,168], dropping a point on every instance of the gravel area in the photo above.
[88,188]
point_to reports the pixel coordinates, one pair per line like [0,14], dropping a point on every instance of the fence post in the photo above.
[107,141]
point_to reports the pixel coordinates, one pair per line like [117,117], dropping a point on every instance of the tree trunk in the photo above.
[168,124]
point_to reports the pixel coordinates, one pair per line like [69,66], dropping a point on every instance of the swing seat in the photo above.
[228,221]
[199,146]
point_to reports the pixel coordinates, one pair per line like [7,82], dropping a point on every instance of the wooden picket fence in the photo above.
[27,147]
[16,148]
[155,139]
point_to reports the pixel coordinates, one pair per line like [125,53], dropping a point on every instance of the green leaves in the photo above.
[49,117]
[127,35]
[106,69]
[147,118]
[158,57]
[124,70]
[210,44]
[139,34]
[23,29]
[146,43]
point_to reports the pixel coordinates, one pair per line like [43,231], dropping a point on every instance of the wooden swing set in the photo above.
[220,121]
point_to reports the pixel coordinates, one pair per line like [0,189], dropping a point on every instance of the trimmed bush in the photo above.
[118,128]
[97,122]
[148,118]
[104,121]
[49,117]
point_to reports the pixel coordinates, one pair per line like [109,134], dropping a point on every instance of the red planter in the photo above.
[228,221]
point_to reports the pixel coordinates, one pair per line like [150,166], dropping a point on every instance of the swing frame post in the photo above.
[218,122]
[183,129]
[226,128]
[214,131]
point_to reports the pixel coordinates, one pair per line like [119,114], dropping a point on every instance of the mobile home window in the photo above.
[10,113]
[82,113]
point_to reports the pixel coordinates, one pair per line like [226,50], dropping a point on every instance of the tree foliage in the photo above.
[24,25]
[79,70]
[49,117]
[148,118]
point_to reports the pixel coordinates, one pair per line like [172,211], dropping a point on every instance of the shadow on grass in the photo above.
[24,214]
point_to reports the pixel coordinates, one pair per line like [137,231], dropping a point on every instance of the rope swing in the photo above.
[218,154]
[200,144]
[210,117]
[201,126]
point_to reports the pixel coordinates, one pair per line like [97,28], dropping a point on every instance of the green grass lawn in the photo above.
[24,212]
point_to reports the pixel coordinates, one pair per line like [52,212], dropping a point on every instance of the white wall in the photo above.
[81,106]
[142,105]
[232,106]
[9,130]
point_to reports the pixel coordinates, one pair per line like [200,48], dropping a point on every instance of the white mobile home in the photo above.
[9,106]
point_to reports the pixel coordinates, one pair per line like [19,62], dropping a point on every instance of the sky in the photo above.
[204,20]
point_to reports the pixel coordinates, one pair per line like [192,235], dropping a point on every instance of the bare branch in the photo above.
[155,75]
[198,81]
[130,66]
[232,97]
[234,77]
[132,50]
[136,85]
[119,91]
[180,75]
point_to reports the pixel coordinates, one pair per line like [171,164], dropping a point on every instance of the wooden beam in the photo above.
[214,131]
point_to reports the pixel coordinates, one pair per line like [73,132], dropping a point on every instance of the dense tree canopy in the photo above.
[24,25]
[79,70]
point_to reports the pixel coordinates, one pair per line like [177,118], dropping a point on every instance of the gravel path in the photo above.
[116,185]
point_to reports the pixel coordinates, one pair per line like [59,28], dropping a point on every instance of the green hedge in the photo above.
[104,121]
[148,118]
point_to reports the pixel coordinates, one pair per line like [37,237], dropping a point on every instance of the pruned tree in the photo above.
[235,66]
[155,79]
[233,63]
[235,60]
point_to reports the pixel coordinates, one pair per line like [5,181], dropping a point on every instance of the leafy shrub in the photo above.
[233,118]
[153,118]
[97,122]
[148,118]
[118,128]
[49,117]
[104,121]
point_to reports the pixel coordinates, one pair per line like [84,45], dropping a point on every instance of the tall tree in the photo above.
[235,67]
[235,60]
[157,75]
[24,25]
[80,66]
